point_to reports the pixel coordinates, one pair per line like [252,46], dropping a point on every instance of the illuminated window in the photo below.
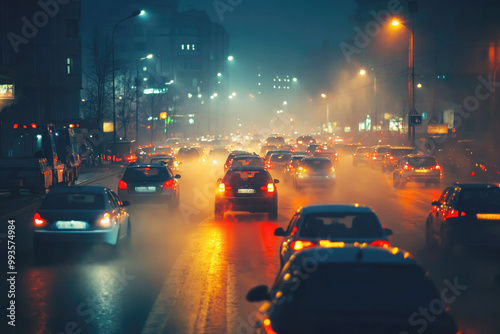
[188,46]
[193,47]
[182,47]
[69,65]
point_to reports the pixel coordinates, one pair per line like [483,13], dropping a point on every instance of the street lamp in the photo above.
[375,116]
[411,83]
[323,96]
[137,83]
[134,14]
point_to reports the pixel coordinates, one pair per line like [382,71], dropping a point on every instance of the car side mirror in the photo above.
[388,231]
[276,181]
[177,176]
[279,232]
[258,293]
[125,203]
[436,203]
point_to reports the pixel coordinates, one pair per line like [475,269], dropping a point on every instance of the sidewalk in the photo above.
[13,206]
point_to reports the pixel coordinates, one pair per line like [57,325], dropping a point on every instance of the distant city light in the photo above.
[294,79]
[234,94]
[190,95]
[199,96]
[219,74]
[230,58]
[285,103]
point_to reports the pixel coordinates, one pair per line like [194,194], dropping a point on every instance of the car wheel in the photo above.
[273,213]
[219,213]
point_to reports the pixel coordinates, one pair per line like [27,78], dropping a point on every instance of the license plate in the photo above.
[145,189]
[488,216]
[422,170]
[71,225]
[246,191]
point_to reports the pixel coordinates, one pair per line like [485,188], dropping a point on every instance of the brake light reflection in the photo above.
[267,327]
[380,243]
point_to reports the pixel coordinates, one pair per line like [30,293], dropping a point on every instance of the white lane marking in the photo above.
[231,298]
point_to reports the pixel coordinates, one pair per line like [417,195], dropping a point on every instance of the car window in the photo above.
[317,164]
[424,162]
[292,224]
[444,195]
[115,196]
[237,177]
[112,201]
[340,225]
[479,199]
[280,157]
[146,173]
[73,201]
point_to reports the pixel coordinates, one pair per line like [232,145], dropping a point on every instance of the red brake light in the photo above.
[299,244]
[33,125]
[168,184]
[270,187]
[38,221]
[437,167]
[15,126]
[267,327]
[407,167]
[454,214]
[391,157]
[122,184]
[380,243]
[105,220]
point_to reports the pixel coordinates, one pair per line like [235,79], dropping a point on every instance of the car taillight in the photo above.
[453,214]
[270,187]
[408,167]
[222,187]
[105,220]
[390,157]
[380,243]
[38,221]
[436,167]
[168,184]
[333,169]
[122,185]
[132,158]
[269,165]
[267,327]
[299,244]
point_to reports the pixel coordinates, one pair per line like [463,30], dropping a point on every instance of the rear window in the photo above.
[280,157]
[237,177]
[146,173]
[401,151]
[382,149]
[479,199]
[425,162]
[169,162]
[318,164]
[73,201]
[363,150]
[340,225]
[257,161]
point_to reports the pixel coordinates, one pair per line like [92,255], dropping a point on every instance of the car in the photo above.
[328,153]
[229,159]
[305,140]
[247,188]
[278,161]
[311,225]
[80,214]
[417,168]
[289,171]
[168,160]
[314,172]
[247,160]
[390,160]
[361,155]
[188,154]
[164,150]
[268,153]
[149,183]
[275,140]
[466,214]
[377,153]
[216,156]
[266,148]
[349,290]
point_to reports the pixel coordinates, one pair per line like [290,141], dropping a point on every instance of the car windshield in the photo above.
[424,162]
[73,201]
[318,164]
[480,199]
[146,173]
[340,225]
[280,157]
[362,289]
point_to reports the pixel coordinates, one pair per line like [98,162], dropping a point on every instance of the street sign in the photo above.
[415,120]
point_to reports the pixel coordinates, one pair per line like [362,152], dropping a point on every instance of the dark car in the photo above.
[350,290]
[289,171]
[417,168]
[149,183]
[314,172]
[390,160]
[247,188]
[466,214]
[361,155]
[168,160]
[377,154]
[188,154]
[229,159]
[278,161]
[315,225]
[80,214]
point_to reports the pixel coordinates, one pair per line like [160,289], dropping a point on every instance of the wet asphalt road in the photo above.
[186,273]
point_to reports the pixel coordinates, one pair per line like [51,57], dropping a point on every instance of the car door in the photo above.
[439,213]
[115,211]
[285,250]
[124,215]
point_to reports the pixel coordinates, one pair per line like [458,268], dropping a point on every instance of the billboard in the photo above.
[437,128]
[6,91]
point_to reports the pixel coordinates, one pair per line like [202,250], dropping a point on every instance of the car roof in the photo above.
[142,165]
[246,156]
[473,185]
[356,253]
[322,208]
[316,158]
[82,189]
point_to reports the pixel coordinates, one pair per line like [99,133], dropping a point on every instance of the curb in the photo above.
[38,200]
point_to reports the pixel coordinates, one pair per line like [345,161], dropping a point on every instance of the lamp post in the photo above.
[375,115]
[411,83]
[134,14]
[323,96]
[137,83]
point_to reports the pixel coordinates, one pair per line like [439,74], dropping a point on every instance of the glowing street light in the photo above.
[362,72]
[419,85]
[230,58]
